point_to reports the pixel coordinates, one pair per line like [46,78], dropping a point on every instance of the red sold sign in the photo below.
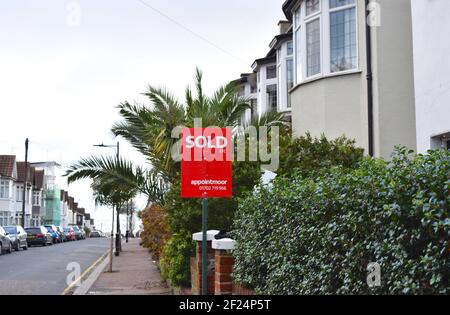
[206,163]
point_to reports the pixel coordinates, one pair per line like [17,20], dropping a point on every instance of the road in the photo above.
[43,270]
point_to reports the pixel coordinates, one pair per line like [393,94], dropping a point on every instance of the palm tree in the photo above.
[149,130]
[108,172]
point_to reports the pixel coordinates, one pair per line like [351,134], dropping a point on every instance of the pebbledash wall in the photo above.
[431,34]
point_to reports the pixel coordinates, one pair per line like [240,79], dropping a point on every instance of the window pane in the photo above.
[312,6]
[313,47]
[254,108]
[290,48]
[290,78]
[271,72]
[340,3]
[343,40]
[272,101]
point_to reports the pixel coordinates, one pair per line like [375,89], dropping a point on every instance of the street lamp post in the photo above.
[128,217]
[118,241]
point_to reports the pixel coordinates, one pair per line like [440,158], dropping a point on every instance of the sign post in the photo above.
[204,246]
[206,172]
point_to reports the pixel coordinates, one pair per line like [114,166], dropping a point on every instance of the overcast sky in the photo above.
[62,73]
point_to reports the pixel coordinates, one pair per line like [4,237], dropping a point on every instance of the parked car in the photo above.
[95,234]
[39,236]
[18,236]
[69,234]
[54,233]
[5,242]
[61,234]
[78,233]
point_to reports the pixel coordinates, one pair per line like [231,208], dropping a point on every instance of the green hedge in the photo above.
[317,236]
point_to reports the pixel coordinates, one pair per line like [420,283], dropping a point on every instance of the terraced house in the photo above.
[45,203]
[351,77]
[24,181]
[8,175]
[52,193]
[267,87]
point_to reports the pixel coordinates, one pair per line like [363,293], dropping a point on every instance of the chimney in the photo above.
[284,26]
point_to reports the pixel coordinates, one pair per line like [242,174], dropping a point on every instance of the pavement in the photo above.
[134,273]
[44,270]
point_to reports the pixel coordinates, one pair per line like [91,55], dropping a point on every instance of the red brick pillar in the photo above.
[196,264]
[224,261]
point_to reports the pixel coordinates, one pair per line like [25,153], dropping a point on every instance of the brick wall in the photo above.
[196,270]
[224,262]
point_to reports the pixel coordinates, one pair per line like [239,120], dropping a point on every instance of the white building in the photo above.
[248,91]
[267,88]
[65,211]
[353,78]
[267,83]
[38,202]
[24,181]
[8,175]
[431,37]
[284,47]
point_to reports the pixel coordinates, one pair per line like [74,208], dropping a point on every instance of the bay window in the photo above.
[325,38]
[4,189]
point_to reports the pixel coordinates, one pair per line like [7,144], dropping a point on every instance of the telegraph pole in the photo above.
[25,183]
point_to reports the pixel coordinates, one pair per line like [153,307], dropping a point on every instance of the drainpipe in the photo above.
[369,80]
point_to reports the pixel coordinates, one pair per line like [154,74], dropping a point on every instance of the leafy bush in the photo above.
[307,155]
[318,235]
[87,231]
[156,231]
[175,258]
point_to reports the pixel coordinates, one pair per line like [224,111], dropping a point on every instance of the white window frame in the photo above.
[337,9]
[19,193]
[36,197]
[306,20]
[4,218]
[297,26]
[5,185]
[301,66]
[279,81]
[288,99]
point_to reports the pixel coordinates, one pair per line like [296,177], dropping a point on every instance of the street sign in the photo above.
[206,172]
[206,163]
